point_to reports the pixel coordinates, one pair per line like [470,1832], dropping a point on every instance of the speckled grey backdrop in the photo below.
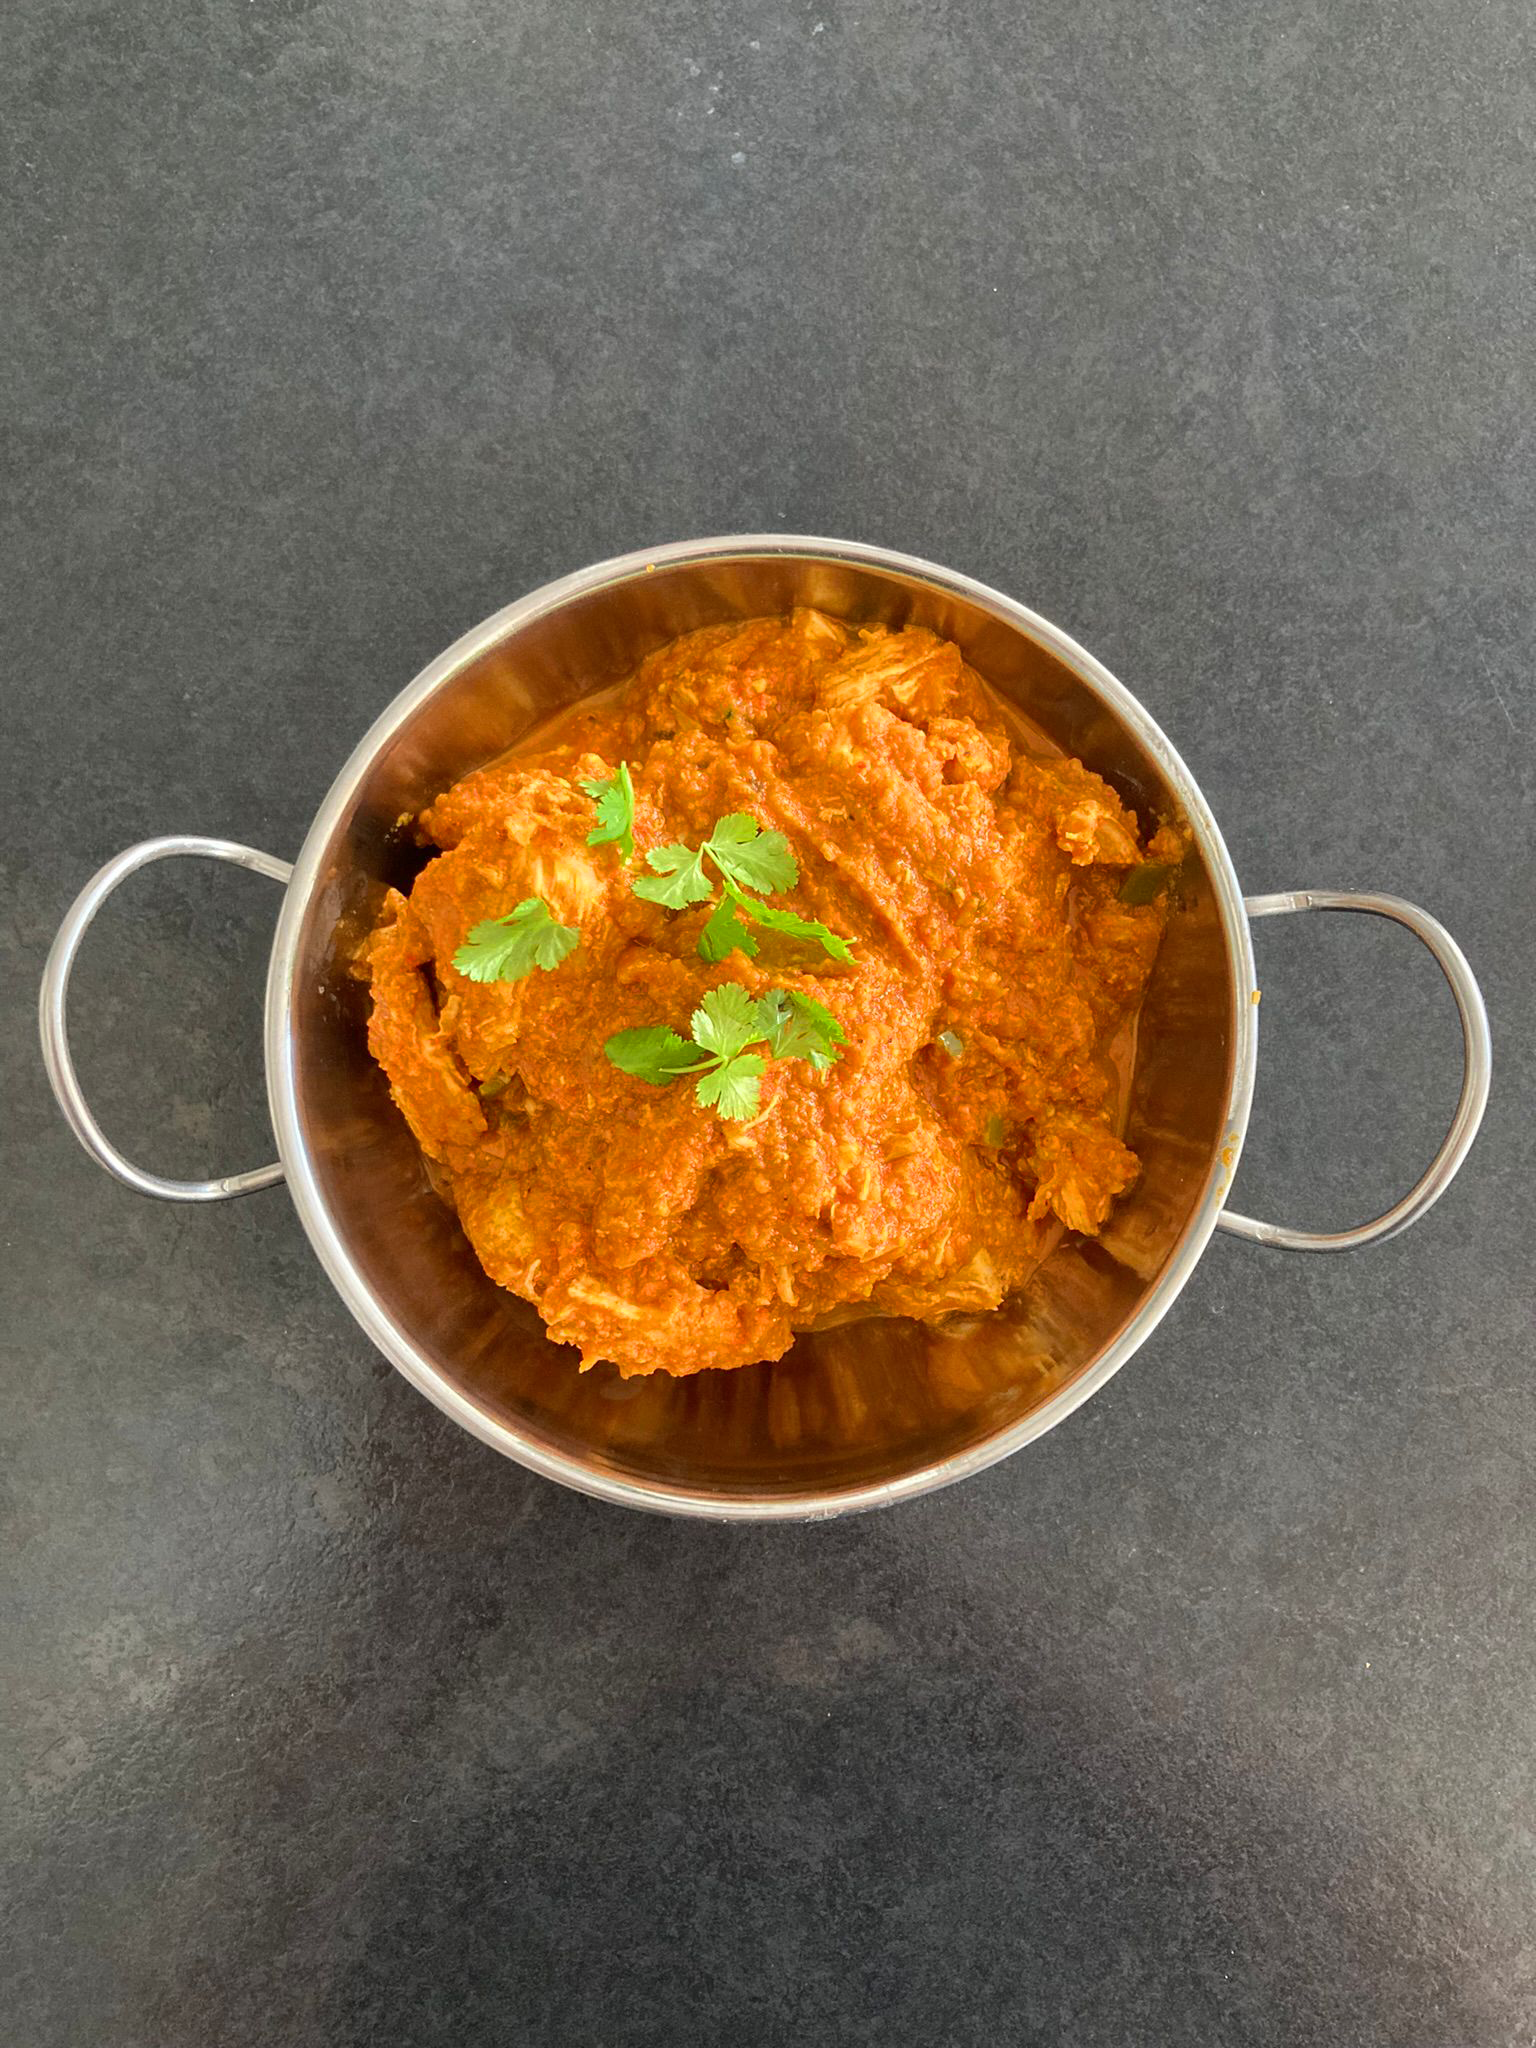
[1206,329]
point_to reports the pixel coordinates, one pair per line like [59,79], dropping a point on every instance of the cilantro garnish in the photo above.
[774,920]
[652,1052]
[507,948]
[750,863]
[797,1027]
[750,857]
[679,877]
[733,1089]
[727,1021]
[724,931]
[614,796]
[727,1077]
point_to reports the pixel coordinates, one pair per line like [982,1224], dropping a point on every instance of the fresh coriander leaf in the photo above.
[996,1131]
[797,1027]
[727,1021]
[815,1035]
[750,857]
[748,860]
[952,1043]
[679,878]
[735,829]
[615,800]
[733,1090]
[818,1016]
[727,1078]
[793,927]
[725,933]
[773,1013]
[507,948]
[1146,883]
[654,1053]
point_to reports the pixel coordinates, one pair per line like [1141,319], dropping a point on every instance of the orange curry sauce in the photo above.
[979,886]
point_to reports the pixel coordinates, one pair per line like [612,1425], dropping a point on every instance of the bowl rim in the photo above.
[329,1242]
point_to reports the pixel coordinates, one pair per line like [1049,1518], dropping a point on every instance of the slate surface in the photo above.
[328,329]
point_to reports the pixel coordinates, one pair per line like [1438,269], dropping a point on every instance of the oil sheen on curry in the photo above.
[788,983]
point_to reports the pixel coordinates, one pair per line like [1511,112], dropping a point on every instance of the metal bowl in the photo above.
[854,1417]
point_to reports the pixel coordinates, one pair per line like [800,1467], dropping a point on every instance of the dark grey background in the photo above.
[1205,329]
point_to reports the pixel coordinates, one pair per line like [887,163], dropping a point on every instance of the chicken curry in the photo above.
[787,983]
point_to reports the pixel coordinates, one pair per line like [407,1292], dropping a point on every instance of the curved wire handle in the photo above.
[54,1027]
[1476,1074]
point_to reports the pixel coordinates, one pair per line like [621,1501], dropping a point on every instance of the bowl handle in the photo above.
[54,1026]
[1476,1071]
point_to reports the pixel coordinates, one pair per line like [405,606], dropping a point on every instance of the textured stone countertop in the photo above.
[1207,331]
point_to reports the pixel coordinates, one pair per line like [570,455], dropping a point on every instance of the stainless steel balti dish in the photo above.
[858,1416]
